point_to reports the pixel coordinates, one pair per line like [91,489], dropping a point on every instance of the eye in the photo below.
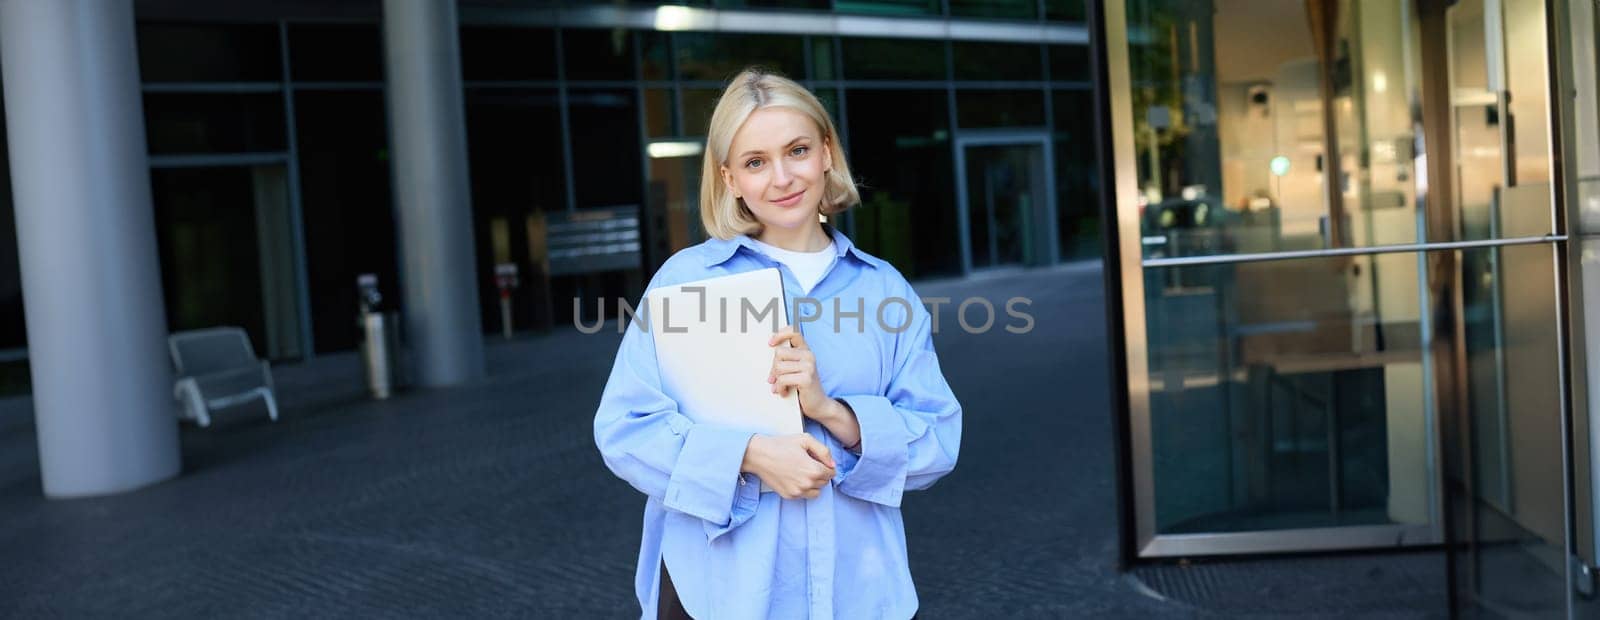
[800,150]
[753,164]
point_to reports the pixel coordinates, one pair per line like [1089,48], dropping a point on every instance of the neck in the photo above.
[804,239]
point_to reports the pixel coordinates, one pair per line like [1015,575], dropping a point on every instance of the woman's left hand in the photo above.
[795,368]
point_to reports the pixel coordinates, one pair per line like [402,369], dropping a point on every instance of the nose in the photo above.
[780,175]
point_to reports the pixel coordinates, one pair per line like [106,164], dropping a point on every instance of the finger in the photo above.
[782,355]
[781,335]
[799,380]
[784,367]
[794,381]
[818,451]
[787,354]
[798,377]
[813,493]
[787,334]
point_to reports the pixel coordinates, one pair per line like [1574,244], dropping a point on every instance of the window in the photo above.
[1003,9]
[508,54]
[658,112]
[605,148]
[996,61]
[822,62]
[598,54]
[655,56]
[697,106]
[1070,63]
[514,138]
[346,208]
[719,57]
[209,53]
[893,59]
[214,123]
[335,53]
[1066,10]
[900,152]
[774,4]
[1077,182]
[1000,108]
[830,102]
[888,7]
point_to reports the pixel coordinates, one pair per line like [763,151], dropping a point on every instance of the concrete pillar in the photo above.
[427,133]
[91,281]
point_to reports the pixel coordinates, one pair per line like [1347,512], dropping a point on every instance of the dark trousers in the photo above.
[668,607]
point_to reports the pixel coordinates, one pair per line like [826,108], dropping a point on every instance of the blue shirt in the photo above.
[735,552]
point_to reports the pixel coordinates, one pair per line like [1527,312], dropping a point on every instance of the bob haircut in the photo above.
[726,217]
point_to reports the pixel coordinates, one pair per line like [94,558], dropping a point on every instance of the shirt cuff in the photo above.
[879,474]
[745,500]
[705,478]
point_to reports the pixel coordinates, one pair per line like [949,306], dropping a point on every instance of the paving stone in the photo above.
[490,500]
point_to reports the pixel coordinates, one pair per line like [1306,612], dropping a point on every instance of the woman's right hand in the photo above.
[793,465]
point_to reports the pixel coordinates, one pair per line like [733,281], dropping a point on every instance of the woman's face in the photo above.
[777,164]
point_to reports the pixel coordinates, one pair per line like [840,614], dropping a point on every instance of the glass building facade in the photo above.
[269,148]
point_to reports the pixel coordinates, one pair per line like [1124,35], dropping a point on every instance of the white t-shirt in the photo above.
[807,267]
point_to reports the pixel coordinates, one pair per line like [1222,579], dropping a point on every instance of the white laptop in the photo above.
[711,346]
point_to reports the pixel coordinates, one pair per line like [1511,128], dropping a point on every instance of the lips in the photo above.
[790,200]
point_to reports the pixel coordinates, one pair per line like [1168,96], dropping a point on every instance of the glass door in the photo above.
[1511,510]
[1286,379]
[225,237]
[1329,311]
[1007,216]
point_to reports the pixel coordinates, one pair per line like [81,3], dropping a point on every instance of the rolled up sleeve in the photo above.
[910,434]
[646,441]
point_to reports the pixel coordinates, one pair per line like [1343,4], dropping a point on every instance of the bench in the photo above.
[217,368]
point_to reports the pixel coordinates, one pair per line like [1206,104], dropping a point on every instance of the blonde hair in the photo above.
[725,216]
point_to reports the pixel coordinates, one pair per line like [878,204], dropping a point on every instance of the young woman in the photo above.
[828,540]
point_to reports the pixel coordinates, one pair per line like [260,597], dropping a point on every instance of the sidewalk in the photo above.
[490,500]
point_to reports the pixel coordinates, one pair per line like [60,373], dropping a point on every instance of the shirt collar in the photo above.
[720,250]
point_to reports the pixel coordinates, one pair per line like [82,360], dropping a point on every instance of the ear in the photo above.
[827,154]
[727,180]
